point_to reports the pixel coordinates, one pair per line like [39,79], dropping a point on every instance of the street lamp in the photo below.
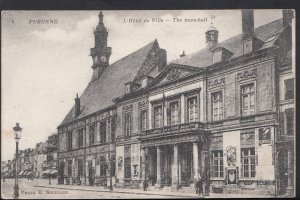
[18,130]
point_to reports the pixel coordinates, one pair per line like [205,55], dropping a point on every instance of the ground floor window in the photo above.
[69,168]
[102,166]
[217,164]
[248,162]
[80,167]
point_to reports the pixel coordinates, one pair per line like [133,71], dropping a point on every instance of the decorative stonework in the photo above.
[174,74]
[143,104]
[128,108]
[216,82]
[250,73]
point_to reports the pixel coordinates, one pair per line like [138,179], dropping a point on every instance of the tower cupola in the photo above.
[212,35]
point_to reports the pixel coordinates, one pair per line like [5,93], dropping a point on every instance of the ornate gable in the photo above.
[173,73]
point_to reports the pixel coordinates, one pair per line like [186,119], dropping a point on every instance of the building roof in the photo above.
[98,94]
[203,57]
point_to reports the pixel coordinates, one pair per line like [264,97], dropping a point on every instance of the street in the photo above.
[38,189]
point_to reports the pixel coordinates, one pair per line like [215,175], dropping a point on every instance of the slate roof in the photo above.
[203,57]
[98,94]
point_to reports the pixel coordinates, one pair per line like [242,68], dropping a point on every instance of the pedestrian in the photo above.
[199,184]
[145,184]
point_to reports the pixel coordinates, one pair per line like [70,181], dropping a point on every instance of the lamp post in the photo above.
[18,130]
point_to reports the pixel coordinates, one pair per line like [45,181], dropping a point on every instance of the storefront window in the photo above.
[248,162]
[217,105]
[217,164]
[80,167]
[192,109]
[69,168]
[102,166]
[247,99]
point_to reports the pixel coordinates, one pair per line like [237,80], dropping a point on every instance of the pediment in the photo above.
[173,73]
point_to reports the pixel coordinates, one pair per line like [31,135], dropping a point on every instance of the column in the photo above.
[175,180]
[158,170]
[290,171]
[195,160]
[143,152]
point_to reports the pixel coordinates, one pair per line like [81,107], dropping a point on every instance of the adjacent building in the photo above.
[225,112]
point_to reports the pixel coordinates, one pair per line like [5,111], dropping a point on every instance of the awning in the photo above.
[54,171]
[21,172]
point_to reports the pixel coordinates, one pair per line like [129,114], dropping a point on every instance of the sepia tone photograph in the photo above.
[119,104]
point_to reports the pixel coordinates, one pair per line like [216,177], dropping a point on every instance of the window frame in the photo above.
[103,138]
[143,124]
[92,126]
[187,107]
[127,127]
[242,95]
[249,41]
[169,112]
[220,102]
[69,141]
[289,91]
[217,56]
[154,116]
[80,141]
[219,165]
[249,158]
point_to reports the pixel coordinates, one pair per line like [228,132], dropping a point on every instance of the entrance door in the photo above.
[152,165]
[282,171]
[91,173]
[61,172]
[186,155]
[166,175]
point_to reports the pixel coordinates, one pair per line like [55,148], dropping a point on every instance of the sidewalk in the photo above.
[45,184]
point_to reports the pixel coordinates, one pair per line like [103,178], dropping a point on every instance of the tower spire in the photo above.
[100,17]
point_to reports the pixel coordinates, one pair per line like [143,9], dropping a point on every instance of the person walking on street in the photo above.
[199,184]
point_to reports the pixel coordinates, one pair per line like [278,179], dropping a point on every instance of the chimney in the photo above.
[287,16]
[247,24]
[77,105]
[162,59]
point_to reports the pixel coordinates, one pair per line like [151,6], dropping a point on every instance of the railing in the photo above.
[172,128]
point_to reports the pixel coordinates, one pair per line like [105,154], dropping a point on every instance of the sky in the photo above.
[43,66]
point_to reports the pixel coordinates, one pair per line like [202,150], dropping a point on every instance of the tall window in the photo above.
[103,132]
[113,165]
[217,106]
[217,164]
[102,166]
[289,89]
[69,168]
[158,121]
[127,162]
[248,162]
[247,99]
[80,167]
[113,129]
[80,138]
[174,113]
[127,123]
[247,46]
[143,120]
[289,121]
[192,109]
[91,135]
[69,140]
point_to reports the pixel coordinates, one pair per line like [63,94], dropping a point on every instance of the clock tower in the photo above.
[101,52]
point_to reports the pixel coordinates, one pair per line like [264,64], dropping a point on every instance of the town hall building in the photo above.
[225,113]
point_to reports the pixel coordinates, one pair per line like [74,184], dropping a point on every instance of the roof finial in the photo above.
[100,17]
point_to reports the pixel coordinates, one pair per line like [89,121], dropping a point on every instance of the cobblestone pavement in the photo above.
[40,189]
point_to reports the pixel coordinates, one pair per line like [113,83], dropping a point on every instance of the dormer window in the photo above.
[127,88]
[247,46]
[217,57]
[220,54]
